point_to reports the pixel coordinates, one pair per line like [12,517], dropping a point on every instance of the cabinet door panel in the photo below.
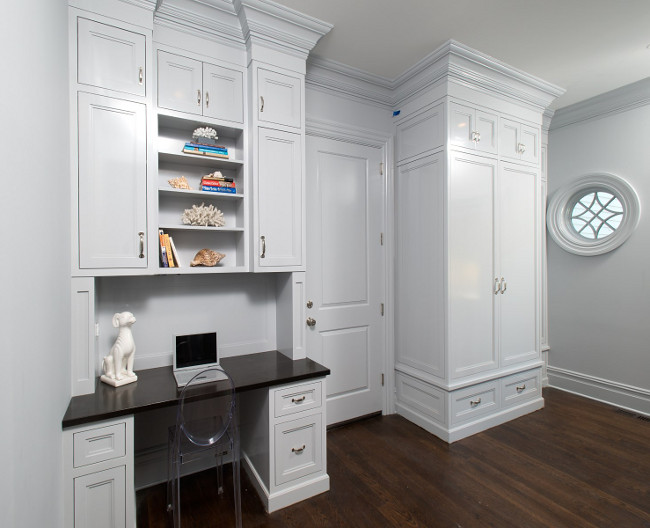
[461,125]
[100,499]
[518,198]
[509,138]
[279,98]
[471,264]
[223,93]
[180,83]
[110,57]
[487,125]
[420,306]
[112,182]
[279,198]
[531,140]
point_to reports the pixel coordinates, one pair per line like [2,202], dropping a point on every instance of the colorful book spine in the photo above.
[163,250]
[206,148]
[201,145]
[168,250]
[218,183]
[202,153]
[177,261]
[217,179]
[210,188]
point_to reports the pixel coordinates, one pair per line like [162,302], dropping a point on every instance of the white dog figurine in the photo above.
[118,366]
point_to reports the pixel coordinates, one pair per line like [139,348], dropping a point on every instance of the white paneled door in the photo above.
[346,273]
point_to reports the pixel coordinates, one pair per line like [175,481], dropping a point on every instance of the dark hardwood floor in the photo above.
[576,463]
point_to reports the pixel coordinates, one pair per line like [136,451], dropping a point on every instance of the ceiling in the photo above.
[587,47]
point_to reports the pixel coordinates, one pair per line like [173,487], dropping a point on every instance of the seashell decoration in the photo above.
[207,257]
[205,132]
[179,183]
[203,215]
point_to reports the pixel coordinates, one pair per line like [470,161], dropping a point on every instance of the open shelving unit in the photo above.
[174,130]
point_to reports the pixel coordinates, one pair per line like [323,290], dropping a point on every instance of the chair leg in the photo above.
[236,479]
[219,457]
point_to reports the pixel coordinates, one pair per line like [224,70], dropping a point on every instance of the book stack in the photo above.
[214,151]
[168,254]
[215,182]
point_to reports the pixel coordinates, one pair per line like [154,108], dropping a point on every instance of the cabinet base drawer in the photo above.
[298,448]
[475,401]
[520,387]
[99,444]
[298,398]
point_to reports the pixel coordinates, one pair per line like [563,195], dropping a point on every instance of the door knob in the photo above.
[311,321]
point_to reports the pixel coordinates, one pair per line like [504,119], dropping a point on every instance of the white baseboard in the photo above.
[304,489]
[620,395]
[464,430]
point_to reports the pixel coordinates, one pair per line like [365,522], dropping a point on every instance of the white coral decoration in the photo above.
[203,215]
[205,132]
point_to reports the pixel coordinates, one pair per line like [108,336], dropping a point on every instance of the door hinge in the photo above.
[381,238]
[381,168]
[382,379]
[382,309]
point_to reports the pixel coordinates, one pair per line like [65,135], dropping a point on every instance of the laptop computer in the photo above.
[194,353]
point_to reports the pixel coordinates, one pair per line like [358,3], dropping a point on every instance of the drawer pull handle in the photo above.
[140,76]
[262,101]
[141,235]
[298,400]
[298,450]
[263,239]
[198,97]
[474,403]
[521,388]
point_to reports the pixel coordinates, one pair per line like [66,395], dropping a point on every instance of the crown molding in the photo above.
[334,77]
[613,102]
[268,24]
[452,62]
[212,19]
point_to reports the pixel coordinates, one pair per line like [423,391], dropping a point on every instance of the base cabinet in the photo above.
[98,475]
[284,447]
[455,414]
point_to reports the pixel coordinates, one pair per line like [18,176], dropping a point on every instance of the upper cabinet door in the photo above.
[112,183]
[279,199]
[472,128]
[109,57]
[279,99]
[180,83]
[223,93]
[519,141]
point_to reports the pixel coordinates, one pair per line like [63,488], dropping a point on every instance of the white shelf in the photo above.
[203,194]
[182,227]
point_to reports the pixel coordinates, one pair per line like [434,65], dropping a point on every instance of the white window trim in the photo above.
[558,215]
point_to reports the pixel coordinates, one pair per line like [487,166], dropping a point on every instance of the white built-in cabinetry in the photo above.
[109,183]
[98,475]
[196,87]
[278,135]
[467,286]
[284,442]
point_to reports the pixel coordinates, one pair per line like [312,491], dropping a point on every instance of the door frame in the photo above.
[372,138]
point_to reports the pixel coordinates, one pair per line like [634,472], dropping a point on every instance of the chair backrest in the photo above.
[206,410]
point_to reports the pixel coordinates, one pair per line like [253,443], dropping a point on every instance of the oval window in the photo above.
[593,215]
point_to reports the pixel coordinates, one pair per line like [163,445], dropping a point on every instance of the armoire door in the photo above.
[518,202]
[112,214]
[470,264]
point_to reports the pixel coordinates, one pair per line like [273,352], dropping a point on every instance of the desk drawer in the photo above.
[472,402]
[520,387]
[298,448]
[98,444]
[297,398]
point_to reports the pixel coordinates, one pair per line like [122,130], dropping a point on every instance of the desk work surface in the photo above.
[156,387]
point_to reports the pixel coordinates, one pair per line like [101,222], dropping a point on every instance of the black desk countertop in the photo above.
[156,387]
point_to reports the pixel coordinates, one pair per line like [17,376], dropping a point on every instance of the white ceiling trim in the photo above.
[620,100]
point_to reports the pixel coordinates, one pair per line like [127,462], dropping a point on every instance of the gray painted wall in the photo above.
[599,307]
[34,260]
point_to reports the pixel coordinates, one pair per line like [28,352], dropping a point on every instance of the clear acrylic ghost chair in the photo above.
[206,424]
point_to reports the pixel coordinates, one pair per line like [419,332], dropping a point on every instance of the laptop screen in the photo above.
[196,350]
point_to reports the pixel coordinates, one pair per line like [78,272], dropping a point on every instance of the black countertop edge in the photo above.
[156,388]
